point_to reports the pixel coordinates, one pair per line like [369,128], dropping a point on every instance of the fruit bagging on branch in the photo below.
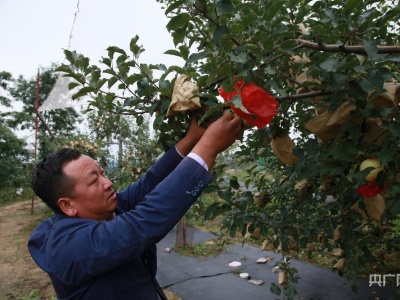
[252,103]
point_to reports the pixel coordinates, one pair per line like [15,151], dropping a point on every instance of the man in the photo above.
[100,244]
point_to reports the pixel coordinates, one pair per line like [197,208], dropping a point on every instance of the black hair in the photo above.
[48,180]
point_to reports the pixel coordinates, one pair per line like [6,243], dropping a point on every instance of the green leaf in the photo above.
[160,67]
[354,90]
[219,32]
[375,79]
[82,62]
[184,50]
[247,196]
[390,14]
[119,109]
[72,85]
[394,129]
[350,5]
[234,183]
[77,77]
[173,6]
[71,56]
[215,209]
[112,81]
[241,58]
[134,39]
[178,21]
[176,69]
[210,112]
[139,120]
[225,194]
[272,9]
[224,6]
[136,50]
[179,35]
[133,78]
[166,92]
[330,13]
[332,167]
[275,289]
[354,288]
[394,207]
[330,64]
[114,49]
[95,75]
[64,69]
[290,292]
[237,102]
[134,47]
[370,48]
[98,85]
[82,92]
[288,46]
[196,57]
[173,52]
[106,61]
[121,59]
[131,101]
[344,152]
[153,108]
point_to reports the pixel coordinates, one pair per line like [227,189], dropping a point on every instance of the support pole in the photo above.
[36,128]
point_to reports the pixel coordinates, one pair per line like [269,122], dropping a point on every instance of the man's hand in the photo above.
[218,137]
[195,131]
[193,135]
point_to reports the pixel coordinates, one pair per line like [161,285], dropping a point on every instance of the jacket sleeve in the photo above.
[78,251]
[135,193]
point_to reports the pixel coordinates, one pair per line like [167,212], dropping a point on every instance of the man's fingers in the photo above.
[228,114]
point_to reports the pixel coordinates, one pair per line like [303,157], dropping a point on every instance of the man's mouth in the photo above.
[111,195]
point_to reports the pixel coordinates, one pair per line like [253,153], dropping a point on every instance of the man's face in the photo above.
[93,196]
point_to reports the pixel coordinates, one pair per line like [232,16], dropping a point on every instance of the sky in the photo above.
[33,33]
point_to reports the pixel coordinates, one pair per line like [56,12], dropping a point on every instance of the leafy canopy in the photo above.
[328,63]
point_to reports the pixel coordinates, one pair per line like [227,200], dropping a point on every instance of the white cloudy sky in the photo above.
[34,33]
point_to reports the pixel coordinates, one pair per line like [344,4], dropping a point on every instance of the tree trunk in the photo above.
[181,233]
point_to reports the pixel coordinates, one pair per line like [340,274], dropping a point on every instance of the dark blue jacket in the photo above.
[89,259]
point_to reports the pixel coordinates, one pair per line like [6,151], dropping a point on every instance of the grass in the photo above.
[35,294]
[8,195]
[207,249]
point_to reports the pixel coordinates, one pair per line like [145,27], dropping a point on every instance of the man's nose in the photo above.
[108,183]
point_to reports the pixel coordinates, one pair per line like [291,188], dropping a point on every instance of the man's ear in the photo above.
[67,207]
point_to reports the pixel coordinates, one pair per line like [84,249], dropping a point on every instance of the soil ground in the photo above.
[20,277]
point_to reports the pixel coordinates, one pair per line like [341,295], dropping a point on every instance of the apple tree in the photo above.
[333,66]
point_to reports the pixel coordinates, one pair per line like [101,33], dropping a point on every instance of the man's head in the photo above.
[75,185]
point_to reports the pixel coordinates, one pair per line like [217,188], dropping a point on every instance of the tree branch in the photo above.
[358,49]
[46,126]
[302,96]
